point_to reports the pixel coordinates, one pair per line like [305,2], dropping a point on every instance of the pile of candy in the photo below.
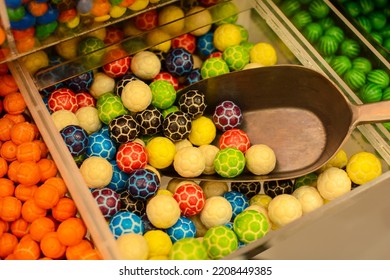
[343,53]
[38,218]
[124,122]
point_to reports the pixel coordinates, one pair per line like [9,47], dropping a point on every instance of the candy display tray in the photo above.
[262,27]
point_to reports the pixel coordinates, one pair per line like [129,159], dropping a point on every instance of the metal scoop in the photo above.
[296,111]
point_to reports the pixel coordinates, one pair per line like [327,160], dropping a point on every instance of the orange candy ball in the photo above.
[7,187]
[7,85]
[51,246]
[3,167]
[8,151]
[14,103]
[23,132]
[48,169]
[28,173]
[23,192]
[76,251]
[40,227]
[8,243]
[31,211]
[29,151]
[65,209]
[19,227]
[5,128]
[10,209]
[71,231]
[27,249]
[46,196]
[59,183]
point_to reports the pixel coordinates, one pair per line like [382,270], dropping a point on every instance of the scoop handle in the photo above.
[373,112]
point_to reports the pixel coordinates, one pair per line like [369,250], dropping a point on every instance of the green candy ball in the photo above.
[378,20]
[336,32]
[362,64]
[301,19]
[326,22]
[350,48]
[386,94]
[220,241]
[379,77]
[250,225]
[341,64]
[366,6]
[327,45]
[313,31]
[306,180]
[355,79]
[365,23]
[229,162]
[318,9]
[352,8]
[290,7]
[370,93]
[188,249]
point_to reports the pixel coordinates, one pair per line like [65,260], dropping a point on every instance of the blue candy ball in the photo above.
[125,222]
[179,62]
[76,139]
[119,178]
[205,44]
[238,201]
[81,82]
[101,145]
[143,183]
[183,228]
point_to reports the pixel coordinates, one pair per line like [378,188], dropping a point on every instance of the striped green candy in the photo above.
[379,77]
[341,64]
[370,93]
[327,45]
[355,79]
[350,48]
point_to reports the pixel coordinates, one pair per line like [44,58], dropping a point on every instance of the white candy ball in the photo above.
[189,162]
[89,119]
[333,183]
[283,209]
[214,188]
[216,211]
[309,197]
[145,65]
[136,96]
[62,118]
[260,159]
[101,84]
[96,171]
[209,152]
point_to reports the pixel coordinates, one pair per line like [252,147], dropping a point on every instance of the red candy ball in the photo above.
[113,35]
[62,99]
[120,63]
[107,200]
[84,99]
[190,198]
[185,41]
[167,77]
[131,156]
[234,138]
[147,20]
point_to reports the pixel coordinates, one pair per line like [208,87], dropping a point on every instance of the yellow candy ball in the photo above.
[35,61]
[161,152]
[68,49]
[154,39]
[139,5]
[226,35]
[363,167]
[159,243]
[199,20]
[340,160]
[263,53]
[203,131]
[117,11]
[171,19]
[132,246]
[261,200]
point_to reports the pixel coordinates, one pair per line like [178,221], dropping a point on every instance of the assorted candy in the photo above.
[38,217]
[123,122]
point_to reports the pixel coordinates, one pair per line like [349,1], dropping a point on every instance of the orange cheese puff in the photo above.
[40,227]
[7,85]
[7,187]
[46,196]
[27,249]
[13,170]
[43,148]
[76,251]
[8,151]
[71,231]
[65,209]
[16,118]
[23,132]
[10,209]
[31,211]
[29,151]
[51,246]
[59,183]
[48,169]
[19,227]
[28,173]
[91,254]
[23,192]
[8,243]
[5,128]
[14,103]
[3,167]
